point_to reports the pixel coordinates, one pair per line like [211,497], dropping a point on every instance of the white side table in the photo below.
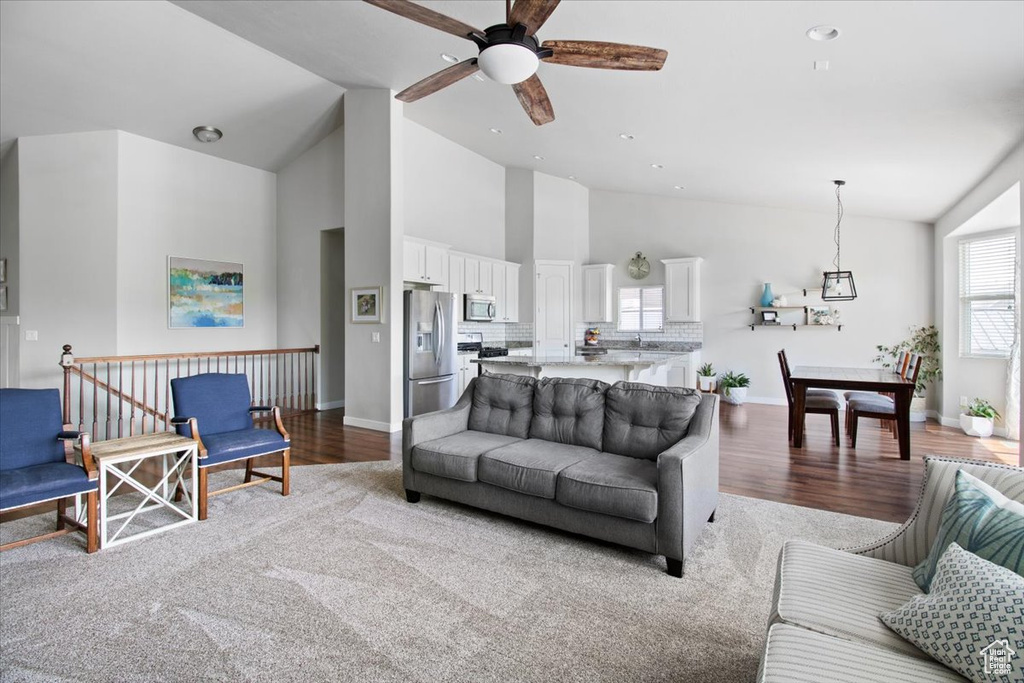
[119,459]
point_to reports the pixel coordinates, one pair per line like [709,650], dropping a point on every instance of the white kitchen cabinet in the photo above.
[465,371]
[472,268]
[597,293]
[682,371]
[682,289]
[457,283]
[511,292]
[425,262]
[498,288]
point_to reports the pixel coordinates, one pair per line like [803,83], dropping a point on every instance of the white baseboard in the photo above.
[330,405]
[373,424]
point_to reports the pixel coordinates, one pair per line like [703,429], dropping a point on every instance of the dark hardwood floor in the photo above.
[756,458]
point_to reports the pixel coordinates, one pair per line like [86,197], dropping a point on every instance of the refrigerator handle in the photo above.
[444,334]
[449,378]
[438,331]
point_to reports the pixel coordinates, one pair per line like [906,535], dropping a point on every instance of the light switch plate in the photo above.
[375,337]
[31,335]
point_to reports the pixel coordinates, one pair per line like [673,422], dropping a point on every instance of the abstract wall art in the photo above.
[204,293]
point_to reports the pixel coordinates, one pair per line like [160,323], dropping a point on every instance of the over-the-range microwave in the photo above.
[480,308]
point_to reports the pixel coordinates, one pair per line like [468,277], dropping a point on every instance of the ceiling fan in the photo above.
[510,53]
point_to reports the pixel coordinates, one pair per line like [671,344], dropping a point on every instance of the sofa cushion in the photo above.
[569,411]
[642,421]
[979,519]
[502,404]
[796,655]
[614,485]
[244,443]
[972,605]
[455,456]
[531,466]
[841,594]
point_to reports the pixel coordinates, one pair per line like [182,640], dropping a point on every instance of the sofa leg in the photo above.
[412,496]
[675,567]
[711,519]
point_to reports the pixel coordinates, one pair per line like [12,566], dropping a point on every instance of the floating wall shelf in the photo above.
[757,309]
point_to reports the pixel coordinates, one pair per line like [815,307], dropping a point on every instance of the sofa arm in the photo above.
[688,482]
[911,543]
[430,426]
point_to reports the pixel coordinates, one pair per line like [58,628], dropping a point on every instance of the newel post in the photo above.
[66,361]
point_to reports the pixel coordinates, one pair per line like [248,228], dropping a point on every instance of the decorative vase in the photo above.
[783,301]
[707,383]
[734,395]
[767,297]
[976,426]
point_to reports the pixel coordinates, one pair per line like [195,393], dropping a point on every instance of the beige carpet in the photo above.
[345,581]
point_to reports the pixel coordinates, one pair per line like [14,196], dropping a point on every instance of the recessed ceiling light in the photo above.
[572,177]
[496,131]
[679,187]
[538,157]
[823,32]
[821,65]
[658,166]
[451,59]
[207,133]
[627,136]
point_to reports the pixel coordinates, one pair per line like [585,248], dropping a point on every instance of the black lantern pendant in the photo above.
[837,285]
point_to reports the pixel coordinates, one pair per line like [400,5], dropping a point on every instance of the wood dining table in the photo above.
[853,379]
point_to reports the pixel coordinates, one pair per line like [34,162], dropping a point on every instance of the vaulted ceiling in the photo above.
[919,99]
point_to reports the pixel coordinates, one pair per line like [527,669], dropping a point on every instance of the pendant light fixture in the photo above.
[837,285]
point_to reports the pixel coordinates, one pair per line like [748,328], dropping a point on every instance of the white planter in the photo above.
[976,426]
[734,395]
[918,409]
[706,383]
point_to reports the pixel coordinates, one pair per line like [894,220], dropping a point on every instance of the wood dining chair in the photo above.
[820,402]
[881,407]
[900,368]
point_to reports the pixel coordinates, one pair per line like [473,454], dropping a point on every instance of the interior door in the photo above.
[553,301]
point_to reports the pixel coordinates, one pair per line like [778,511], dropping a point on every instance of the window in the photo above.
[986,295]
[641,309]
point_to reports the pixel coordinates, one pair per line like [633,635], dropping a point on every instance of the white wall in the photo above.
[310,198]
[745,246]
[964,376]
[519,235]
[452,195]
[332,319]
[173,201]
[561,227]
[68,250]
[374,204]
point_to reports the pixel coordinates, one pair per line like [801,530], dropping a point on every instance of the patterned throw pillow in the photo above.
[971,620]
[979,519]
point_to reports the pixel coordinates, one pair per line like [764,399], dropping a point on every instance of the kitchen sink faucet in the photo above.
[639,341]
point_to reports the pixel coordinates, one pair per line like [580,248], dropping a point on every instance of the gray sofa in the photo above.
[631,463]
[824,624]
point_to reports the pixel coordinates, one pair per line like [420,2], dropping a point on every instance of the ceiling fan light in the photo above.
[508,63]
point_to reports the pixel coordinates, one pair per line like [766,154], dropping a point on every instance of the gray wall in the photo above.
[9,225]
[332,321]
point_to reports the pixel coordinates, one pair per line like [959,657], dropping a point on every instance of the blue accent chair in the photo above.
[36,459]
[216,410]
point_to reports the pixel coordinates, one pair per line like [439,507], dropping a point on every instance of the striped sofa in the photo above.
[824,623]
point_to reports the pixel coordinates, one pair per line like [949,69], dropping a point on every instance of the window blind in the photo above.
[987,295]
[641,309]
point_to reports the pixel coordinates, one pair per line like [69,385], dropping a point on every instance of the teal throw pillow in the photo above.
[981,520]
[971,619]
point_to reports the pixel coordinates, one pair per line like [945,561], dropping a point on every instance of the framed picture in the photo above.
[3,297]
[819,315]
[769,317]
[3,270]
[204,293]
[367,304]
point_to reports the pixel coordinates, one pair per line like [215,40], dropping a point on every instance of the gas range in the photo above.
[474,341]
[492,352]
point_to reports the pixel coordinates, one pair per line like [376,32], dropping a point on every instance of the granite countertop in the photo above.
[617,358]
[652,346]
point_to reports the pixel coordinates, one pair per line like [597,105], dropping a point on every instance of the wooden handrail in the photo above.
[195,354]
[132,394]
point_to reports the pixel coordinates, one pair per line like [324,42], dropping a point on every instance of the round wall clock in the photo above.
[639,267]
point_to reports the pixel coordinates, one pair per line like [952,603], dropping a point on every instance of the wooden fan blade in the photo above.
[597,55]
[532,13]
[534,98]
[442,79]
[428,17]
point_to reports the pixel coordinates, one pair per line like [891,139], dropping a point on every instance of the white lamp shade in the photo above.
[508,63]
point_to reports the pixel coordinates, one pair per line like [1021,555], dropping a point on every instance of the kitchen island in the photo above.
[614,366]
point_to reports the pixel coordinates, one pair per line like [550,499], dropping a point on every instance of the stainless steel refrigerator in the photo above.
[429,351]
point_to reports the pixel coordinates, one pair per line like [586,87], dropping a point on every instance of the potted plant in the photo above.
[734,387]
[978,418]
[923,341]
[706,377]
